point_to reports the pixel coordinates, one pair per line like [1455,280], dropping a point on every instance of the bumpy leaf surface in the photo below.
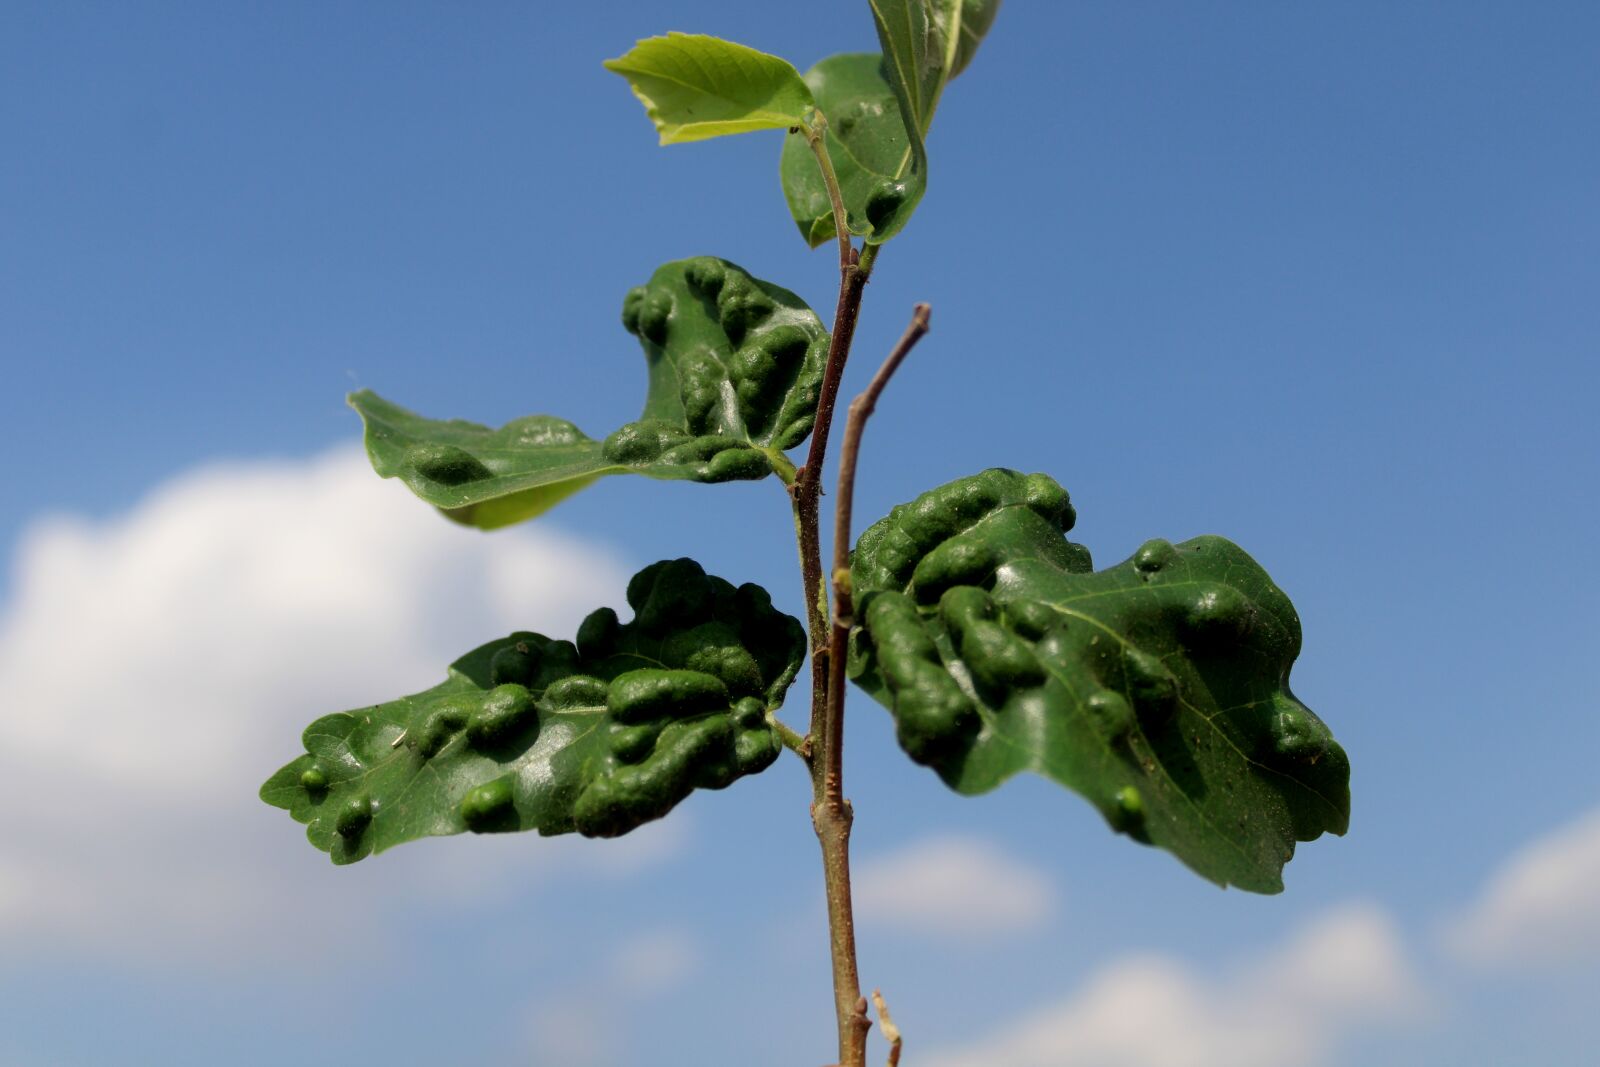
[528,733]
[734,365]
[882,174]
[879,110]
[694,87]
[1157,688]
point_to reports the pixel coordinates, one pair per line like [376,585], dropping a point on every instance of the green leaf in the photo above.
[881,163]
[882,172]
[734,363]
[694,87]
[925,44]
[976,18]
[1158,688]
[528,733]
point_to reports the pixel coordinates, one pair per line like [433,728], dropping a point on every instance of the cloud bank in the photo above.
[1288,1008]
[1541,908]
[952,886]
[156,667]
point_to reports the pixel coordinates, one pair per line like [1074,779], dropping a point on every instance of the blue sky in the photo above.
[1321,280]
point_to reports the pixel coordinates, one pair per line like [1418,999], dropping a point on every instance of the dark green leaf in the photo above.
[1157,688]
[694,87]
[533,734]
[734,364]
[882,173]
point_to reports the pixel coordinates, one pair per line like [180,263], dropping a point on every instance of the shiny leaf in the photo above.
[881,163]
[925,44]
[734,369]
[1157,688]
[881,173]
[694,87]
[528,733]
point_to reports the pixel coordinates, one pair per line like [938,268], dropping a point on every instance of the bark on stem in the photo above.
[830,811]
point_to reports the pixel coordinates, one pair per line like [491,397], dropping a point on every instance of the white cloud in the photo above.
[156,667]
[655,961]
[1541,907]
[574,1032]
[1345,972]
[952,886]
[587,1024]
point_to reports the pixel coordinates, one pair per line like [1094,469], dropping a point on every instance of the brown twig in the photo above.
[891,1032]
[830,811]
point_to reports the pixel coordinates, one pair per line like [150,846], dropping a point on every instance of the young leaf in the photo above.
[533,734]
[925,44]
[881,163]
[1158,688]
[694,87]
[881,176]
[734,364]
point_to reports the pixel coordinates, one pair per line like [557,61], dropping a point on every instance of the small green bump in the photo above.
[515,663]
[576,691]
[1128,816]
[446,464]
[631,305]
[1110,712]
[1297,735]
[597,634]
[705,275]
[637,443]
[1152,688]
[755,749]
[630,744]
[960,561]
[354,817]
[732,664]
[486,808]
[884,201]
[440,727]
[741,308]
[650,694]
[738,464]
[1154,555]
[750,713]
[505,710]
[543,431]
[313,781]
[1218,614]
[655,312]
[1044,496]
[669,595]
[1031,618]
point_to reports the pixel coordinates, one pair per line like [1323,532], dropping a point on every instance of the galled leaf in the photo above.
[694,87]
[734,366]
[1157,688]
[528,733]
[881,175]
[881,163]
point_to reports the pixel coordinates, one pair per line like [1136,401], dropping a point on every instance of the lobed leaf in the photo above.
[695,87]
[734,369]
[1157,688]
[529,733]
[879,110]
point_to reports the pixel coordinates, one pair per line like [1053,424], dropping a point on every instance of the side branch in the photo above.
[808,492]
[861,408]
